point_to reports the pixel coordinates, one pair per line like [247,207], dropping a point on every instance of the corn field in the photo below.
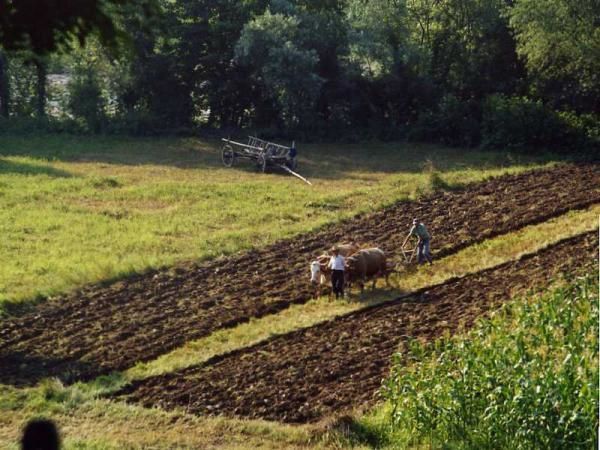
[526,379]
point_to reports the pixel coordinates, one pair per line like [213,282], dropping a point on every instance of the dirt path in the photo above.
[305,375]
[101,329]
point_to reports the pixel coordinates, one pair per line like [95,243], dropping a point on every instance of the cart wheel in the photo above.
[292,164]
[261,163]
[228,155]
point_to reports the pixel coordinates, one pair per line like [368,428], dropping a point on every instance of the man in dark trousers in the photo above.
[337,264]
[423,249]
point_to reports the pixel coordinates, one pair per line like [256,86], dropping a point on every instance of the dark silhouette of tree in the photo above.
[44,26]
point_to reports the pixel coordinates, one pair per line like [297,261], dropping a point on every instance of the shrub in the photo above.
[32,125]
[137,123]
[525,379]
[453,123]
[584,129]
[86,102]
[522,123]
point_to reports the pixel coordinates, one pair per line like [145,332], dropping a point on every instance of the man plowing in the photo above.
[420,232]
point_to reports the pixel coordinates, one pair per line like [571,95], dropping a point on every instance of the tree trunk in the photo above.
[4,87]
[41,88]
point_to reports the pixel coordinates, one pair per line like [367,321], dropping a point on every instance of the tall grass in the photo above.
[526,379]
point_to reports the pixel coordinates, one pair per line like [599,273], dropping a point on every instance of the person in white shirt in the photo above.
[337,264]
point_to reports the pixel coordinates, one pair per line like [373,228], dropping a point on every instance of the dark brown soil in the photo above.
[306,375]
[100,329]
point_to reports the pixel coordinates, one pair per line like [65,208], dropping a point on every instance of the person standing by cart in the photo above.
[423,247]
[337,264]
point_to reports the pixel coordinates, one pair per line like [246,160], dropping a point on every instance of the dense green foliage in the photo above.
[441,71]
[526,379]
[519,122]
[560,41]
[46,25]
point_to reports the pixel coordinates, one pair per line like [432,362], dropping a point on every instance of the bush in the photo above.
[522,123]
[32,125]
[518,122]
[584,130]
[525,379]
[137,123]
[86,102]
[454,123]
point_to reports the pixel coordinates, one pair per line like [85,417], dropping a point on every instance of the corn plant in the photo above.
[527,378]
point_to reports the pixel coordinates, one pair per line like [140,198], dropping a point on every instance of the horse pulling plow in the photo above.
[263,153]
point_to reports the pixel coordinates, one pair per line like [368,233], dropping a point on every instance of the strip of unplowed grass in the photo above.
[478,257]
[306,375]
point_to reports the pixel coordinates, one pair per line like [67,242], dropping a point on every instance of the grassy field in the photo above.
[80,210]
[76,210]
[90,422]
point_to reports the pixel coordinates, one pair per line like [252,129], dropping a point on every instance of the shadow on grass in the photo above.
[347,432]
[23,370]
[316,161]
[358,161]
[11,167]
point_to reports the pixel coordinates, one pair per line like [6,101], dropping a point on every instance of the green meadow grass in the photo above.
[78,210]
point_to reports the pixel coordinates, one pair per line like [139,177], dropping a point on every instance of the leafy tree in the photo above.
[472,50]
[391,63]
[205,38]
[46,25]
[379,35]
[22,82]
[85,100]
[4,87]
[560,41]
[41,70]
[274,47]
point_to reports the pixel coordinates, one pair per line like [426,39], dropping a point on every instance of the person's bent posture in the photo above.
[423,247]
[337,264]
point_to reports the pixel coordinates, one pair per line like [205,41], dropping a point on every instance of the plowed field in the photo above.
[100,329]
[305,375]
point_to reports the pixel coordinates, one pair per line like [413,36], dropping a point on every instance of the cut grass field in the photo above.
[76,210]
[88,421]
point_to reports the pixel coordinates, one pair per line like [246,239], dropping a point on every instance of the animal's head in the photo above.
[323,261]
[351,263]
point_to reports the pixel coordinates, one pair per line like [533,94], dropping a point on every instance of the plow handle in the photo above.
[406,240]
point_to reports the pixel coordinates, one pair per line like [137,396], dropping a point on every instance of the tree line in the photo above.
[496,73]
